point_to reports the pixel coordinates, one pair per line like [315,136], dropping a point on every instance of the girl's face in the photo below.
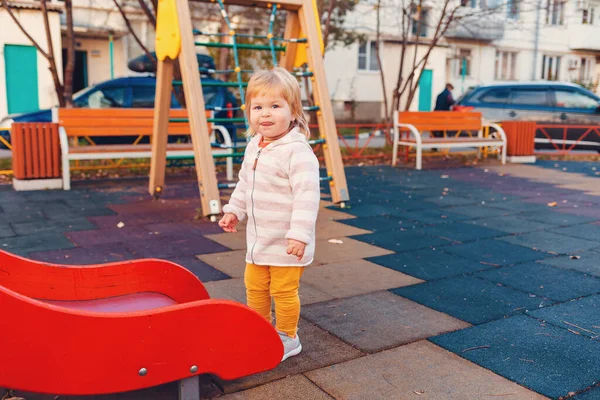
[270,116]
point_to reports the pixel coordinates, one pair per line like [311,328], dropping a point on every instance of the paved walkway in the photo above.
[466,283]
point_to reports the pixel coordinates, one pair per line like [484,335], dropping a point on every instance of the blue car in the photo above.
[130,92]
[548,103]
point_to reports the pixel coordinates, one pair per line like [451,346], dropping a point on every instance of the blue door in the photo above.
[425,87]
[20,64]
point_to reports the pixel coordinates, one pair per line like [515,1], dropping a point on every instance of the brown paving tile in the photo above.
[235,241]
[296,387]
[319,349]
[234,289]
[350,249]
[333,229]
[329,214]
[380,320]
[231,263]
[420,370]
[355,277]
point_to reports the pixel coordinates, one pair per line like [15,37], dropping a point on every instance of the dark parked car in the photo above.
[544,102]
[130,92]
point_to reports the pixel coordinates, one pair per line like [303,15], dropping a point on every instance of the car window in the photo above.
[529,97]
[573,99]
[143,96]
[495,96]
[103,98]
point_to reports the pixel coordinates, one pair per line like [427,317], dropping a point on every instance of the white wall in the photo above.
[98,59]
[32,21]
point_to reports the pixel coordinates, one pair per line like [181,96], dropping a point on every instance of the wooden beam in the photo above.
[205,167]
[292,30]
[160,135]
[285,4]
[327,128]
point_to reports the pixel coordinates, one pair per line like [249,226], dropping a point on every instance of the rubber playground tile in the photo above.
[551,242]
[6,231]
[173,245]
[233,241]
[23,245]
[44,225]
[21,215]
[191,227]
[350,249]
[510,224]
[592,394]
[494,252]
[416,370]
[401,241]
[450,201]
[581,315]
[434,215]
[544,281]
[319,349]
[590,211]
[555,217]
[105,253]
[428,264]
[480,211]
[61,211]
[379,320]
[583,231]
[471,299]
[231,263]
[585,261]
[380,223]
[355,277]
[141,219]
[150,206]
[94,237]
[333,229]
[291,387]
[459,232]
[372,210]
[516,205]
[549,360]
[203,271]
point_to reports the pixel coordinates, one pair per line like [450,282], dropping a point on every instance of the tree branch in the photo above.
[148,12]
[135,37]
[16,21]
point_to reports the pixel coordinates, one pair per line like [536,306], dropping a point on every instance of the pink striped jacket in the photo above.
[279,192]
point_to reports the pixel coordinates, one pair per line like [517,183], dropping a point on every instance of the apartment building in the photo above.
[490,41]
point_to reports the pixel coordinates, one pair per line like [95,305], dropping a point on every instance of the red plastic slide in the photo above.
[123,326]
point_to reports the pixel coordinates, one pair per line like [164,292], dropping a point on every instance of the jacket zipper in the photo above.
[252,201]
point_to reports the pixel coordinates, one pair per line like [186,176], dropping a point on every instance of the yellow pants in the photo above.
[264,282]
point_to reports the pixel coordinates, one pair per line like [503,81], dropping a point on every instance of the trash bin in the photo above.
[520,138]
[36,156]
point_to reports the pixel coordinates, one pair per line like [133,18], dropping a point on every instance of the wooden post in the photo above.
[331,149]
[292,30]
[160,130]
[205,166]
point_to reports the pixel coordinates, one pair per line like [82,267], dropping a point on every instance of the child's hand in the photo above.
[228,222]
[296,248]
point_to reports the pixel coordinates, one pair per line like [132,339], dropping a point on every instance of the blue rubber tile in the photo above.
[480,211]
[542,357]
[428,264]
[551,242]
[401,241]
[43,225]
[471,299]
[545,281]
[582,315]
[585,261]
[450,200]
[510,224]
[583,231]
[23,245]
[369,210]
[495,252]
[380,223]
[434,215]
[202,270]
[459,232]
[593,394]
[6,231]
[516,205]
[555,217]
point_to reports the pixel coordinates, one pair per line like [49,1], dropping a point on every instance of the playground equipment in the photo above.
[79,330]
[175,39]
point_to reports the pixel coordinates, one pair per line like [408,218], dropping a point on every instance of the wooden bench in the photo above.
[414,124]
[76,123]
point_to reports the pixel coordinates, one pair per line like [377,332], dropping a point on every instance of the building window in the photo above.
[513,8]
[469,3]
[419,21]
[464,62]
[367,56]
[506,66]
[587,16]
[555,12]
[551,68]
[585,69]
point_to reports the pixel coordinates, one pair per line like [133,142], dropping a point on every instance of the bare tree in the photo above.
[379,63]
[64,90]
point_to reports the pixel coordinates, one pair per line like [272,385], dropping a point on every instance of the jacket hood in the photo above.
[293,136]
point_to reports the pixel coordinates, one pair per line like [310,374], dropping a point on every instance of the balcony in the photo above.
[584,37]
[470,25]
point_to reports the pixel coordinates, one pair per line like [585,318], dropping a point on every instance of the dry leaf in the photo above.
[120,225]
[419,392]
[336,241]
[553,204]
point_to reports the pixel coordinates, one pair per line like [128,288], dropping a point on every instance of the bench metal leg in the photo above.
[395,148]
[419,157]
[189,388]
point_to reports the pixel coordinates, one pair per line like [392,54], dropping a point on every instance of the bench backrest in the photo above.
[441,120]
[119,121]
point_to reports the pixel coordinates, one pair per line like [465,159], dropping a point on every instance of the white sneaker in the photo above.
[291,346]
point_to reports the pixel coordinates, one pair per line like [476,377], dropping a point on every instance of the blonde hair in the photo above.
[277,81]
